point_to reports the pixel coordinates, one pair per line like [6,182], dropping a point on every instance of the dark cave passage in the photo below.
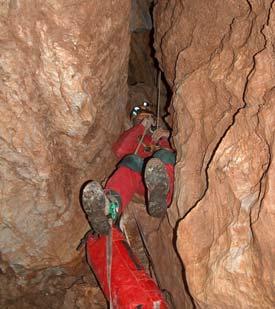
[144,70]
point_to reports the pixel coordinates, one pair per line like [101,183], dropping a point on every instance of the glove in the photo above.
[160,133]
[148,121]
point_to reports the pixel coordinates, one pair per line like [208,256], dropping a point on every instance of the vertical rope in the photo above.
[109,256]
[141,140]
[158,98]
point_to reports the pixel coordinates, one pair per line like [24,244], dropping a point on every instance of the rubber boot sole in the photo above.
[157,182]
[93,202]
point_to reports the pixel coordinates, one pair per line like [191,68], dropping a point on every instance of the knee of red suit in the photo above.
[127,179]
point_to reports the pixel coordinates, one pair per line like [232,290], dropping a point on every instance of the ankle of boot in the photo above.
[114,204]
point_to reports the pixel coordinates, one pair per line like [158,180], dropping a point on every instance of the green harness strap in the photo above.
[113,210]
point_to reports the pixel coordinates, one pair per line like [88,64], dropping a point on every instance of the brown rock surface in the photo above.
[63,66]
[73,286]
[219,58]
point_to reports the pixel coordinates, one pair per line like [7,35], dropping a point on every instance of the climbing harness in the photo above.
[151,148]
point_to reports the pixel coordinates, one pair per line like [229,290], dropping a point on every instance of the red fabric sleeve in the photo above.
[164,143]
[128,141]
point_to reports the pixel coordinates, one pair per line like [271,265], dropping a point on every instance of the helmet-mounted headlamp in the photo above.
[144,107]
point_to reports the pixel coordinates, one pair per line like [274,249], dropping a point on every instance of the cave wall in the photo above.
[218,57]
[63,67]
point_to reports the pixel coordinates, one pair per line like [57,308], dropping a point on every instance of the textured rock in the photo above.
[85,297]
[219,58]
[63,67]
[56,287]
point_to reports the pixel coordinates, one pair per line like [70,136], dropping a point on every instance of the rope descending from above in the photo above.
[158,98]
[109,253]
[141,141]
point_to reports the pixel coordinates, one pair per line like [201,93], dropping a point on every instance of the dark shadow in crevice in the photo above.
[132,81]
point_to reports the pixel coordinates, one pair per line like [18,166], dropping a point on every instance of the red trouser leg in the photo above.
[126,183]
[131,286]
[170,172]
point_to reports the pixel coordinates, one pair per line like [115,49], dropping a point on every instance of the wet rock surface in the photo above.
[219,59]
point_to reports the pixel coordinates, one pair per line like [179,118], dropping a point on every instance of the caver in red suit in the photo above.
[153,165]
[146,166]
[128,178]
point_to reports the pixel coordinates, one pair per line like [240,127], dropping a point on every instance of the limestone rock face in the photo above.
[219,58]
[63,67]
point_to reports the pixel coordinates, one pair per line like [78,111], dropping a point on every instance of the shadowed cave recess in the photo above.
[70,72]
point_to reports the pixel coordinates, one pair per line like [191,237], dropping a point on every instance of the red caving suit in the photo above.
[126,181]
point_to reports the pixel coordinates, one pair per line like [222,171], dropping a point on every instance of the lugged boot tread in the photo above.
[93,201]
[157,182]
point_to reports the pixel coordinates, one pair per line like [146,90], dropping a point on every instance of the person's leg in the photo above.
[159,179]
[119,190]
[124,183]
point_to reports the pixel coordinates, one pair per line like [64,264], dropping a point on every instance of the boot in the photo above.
[157,183]
[94,203]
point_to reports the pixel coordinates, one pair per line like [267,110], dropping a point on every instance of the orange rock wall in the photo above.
[63,68]
[218,57]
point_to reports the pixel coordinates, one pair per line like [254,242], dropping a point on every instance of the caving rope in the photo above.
[158,98]
[141,140]
[156,304]
[109,255]
[158,112]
